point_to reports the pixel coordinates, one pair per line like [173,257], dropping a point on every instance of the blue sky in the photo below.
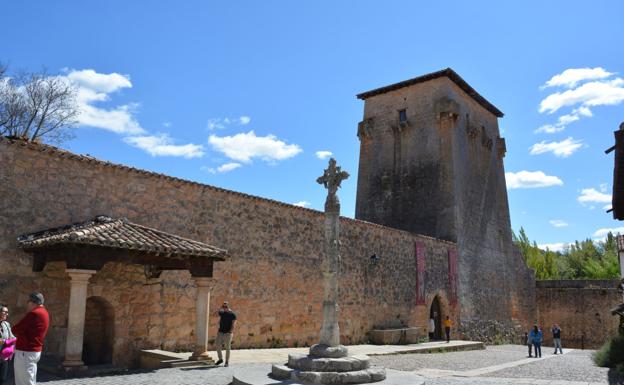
[243,94]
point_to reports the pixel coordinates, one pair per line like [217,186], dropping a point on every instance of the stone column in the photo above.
[79,279]
[202,310]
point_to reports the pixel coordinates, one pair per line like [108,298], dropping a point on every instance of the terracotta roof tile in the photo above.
[120,234]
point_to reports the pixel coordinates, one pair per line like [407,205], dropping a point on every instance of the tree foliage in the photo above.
[586,259]
[37,106]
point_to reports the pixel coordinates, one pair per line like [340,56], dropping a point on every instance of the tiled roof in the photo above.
[104,231]
[449,73]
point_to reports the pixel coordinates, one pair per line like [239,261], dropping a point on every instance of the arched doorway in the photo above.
[99,332]
[436,313]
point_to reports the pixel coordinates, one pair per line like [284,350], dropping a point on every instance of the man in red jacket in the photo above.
[30,332]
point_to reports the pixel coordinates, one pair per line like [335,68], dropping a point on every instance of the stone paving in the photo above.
[505,365]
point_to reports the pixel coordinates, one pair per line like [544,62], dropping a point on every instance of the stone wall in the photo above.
[441,173]
[581,308]
[272,279]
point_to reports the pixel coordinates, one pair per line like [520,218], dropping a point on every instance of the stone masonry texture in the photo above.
[272,279]
[581,308]
[441,173]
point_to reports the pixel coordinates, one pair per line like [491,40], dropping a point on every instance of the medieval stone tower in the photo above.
[431,162]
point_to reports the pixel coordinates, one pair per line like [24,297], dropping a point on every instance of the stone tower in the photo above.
[431,162]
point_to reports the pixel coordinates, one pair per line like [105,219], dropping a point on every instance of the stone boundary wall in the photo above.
[273,279]
[581,308]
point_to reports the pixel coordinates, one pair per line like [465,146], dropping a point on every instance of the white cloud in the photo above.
[302,204]
[596,90]
[227,167]
[531,179]
[221,123]
[243,147]
[162,145]
[558,246]
[558,223]
[323,154]
[120,119]
[600,93]
[603,187]
[561,149]
[601,233]
[591,195]
[572,76]
[607,207]
[93,87]
[106,83]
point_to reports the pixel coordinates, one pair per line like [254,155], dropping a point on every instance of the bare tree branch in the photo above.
[37,106]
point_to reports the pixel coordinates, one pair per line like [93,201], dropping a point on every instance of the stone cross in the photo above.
[331,179]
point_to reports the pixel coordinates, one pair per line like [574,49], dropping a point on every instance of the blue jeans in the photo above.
[538,349]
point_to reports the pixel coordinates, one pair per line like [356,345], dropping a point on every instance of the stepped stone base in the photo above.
[283,372]
[315,364]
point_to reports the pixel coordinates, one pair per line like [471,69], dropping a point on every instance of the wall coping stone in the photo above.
[577,283]
[65,154]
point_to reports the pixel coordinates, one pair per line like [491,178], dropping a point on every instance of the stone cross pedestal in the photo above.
[328,361]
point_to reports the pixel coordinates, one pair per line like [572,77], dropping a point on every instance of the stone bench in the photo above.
[394,336]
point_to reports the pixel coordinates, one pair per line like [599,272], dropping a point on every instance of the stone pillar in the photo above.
[202,310]
[79,279]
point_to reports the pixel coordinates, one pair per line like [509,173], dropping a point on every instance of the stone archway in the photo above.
[99,332]
[435,312]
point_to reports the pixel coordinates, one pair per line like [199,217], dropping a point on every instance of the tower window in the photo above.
[402,116]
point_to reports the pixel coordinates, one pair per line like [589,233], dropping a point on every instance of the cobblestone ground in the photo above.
[178,376]
[575,366]
[472,359]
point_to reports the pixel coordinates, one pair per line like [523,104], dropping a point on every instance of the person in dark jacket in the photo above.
[556,331]
[30,332]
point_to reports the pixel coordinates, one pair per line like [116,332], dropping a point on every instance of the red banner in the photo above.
[420,273]
[452,274]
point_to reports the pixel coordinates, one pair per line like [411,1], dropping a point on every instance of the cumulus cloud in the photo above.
[323,154]
[162,145]
[557,247]
[226,167]
[601,93]
[94,88]
[302,204]
[531,179]
[601,233]
[244,147]
[585,88]
[106,83]
[571,77]
[591,195]
[558,223]
[221,123]
[561,149]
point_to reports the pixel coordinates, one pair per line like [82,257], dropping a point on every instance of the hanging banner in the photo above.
[452,275]
[420,273]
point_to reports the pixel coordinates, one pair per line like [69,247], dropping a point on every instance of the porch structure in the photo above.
[85,247]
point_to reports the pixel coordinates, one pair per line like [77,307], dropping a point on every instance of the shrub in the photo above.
[611,354]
